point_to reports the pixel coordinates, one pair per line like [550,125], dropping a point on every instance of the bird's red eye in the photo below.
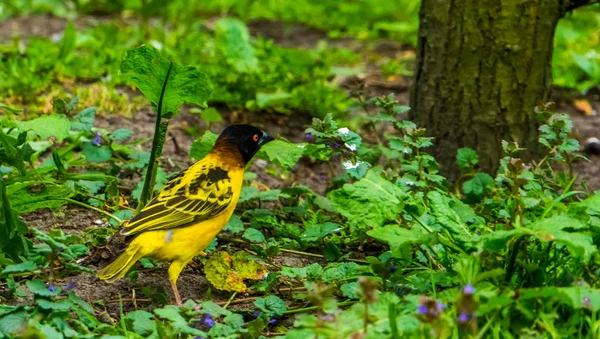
[255,137]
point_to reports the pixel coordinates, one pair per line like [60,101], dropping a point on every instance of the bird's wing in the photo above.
[202,192]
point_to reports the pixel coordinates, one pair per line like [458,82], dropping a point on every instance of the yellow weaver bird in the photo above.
[192,208]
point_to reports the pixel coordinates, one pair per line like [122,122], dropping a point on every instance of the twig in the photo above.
[127,300]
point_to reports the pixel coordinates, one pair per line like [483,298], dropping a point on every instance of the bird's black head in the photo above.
[247,139]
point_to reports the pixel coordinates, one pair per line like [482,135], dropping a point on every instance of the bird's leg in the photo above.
[176,293]
[174,271]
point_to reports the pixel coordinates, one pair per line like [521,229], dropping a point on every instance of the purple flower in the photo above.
[336,145]
[309,137]
[587,301]
[422,309]
[208,321]
[97,140]
[393,268]
[256,314]
[439,306]
[51,288]
[469,289]
[463,317]
[198,338]
[272,321]
[70,286]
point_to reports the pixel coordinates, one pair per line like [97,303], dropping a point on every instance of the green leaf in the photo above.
[26,266]
[400,238]
[120,134]
[25,199]
[234,41]
[54,125]
[271,305]
[265,100]
[254,235]
[13,322]
[479,184]
[315,232]
[60,305]
[234,225]
[466,158]
[10,109]
[148,70]
[350,290]
[447,217]
[282,153]
[340,271]
[172,313]
[95,153]
[369,202]
[141,322]
[40,288]
[84,121]
[211,114]
[201,147]
[67,45]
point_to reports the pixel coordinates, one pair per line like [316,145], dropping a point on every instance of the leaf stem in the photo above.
[156,146]
[112,216]
[313,308]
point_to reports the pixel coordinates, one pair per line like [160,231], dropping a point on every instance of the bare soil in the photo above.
[192,284]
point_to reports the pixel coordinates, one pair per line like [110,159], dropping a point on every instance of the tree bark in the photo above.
[482,66]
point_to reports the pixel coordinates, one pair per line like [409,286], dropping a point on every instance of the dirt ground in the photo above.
[192,283]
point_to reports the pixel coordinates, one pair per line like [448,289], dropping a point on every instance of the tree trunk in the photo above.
[482,66]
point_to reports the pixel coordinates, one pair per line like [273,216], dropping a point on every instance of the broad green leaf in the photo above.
[147,69]
[59,305]
[282,153]
[142,322]
[466,158]
[479,184]
[350,290]
[447,217]
[84,121]
[95,153]
[234,41]
[369,202]
[341,271]
[311,272]
[13,322]
[54,125]
[254,235]
[27,197]
[271,305]
[201,147]
[172,313]
[211,114]
[26,266]
[234,225]
[399,239]
[40,288]
[120,134]
[315,232]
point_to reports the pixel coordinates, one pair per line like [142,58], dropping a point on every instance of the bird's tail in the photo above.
[118,268]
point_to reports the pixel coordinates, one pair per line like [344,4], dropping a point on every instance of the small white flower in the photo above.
[349,165]
[351,147]
[405,151]
[410,183]
[343,131]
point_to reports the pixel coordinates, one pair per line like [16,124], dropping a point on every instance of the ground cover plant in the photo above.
[345,227]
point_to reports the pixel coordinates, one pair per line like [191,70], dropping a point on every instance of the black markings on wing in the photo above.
[188,198]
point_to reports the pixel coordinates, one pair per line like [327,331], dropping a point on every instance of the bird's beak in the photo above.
[265,139]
